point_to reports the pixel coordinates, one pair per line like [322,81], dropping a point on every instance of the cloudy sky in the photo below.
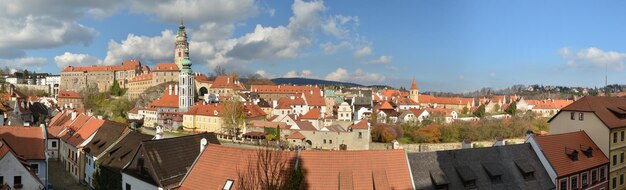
[446,45]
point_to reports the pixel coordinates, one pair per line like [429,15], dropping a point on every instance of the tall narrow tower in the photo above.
[414,92]
[186,85]
[181,45]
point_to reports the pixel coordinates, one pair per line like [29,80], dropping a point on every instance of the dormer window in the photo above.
[526,169]
[494,171]
[467,176]
[229,184]
[439,179]
[588,151]
[571,153]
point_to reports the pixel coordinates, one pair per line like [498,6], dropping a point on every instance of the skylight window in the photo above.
[229,184]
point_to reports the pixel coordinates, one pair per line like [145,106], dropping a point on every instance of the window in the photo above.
[621,158]
[581,116]
[584,179]
[1,179]
[574,182]
[330,141]
[563,184]
[622,136]
[229,184]
[614,183]
[360,135]
[17,180]
[594,176]
[614,137]
[573,116]
[54,144]
[35,168]
[127,186]
[324,141]
[621,179]
[614,160]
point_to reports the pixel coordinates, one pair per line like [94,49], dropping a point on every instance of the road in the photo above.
[61,179]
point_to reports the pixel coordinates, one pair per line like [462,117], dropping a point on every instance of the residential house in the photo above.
[70,99]
[73,139]
[162,163]
[572,160]
[117,156]
[107,135]
[414,115]
[14,173]
[500,167]
[604,120]
[28,143]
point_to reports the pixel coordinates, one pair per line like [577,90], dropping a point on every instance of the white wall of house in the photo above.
[53,148]
[42,169]
[135,183]
[591,124]
[12,167]
[90,169]
[355,140]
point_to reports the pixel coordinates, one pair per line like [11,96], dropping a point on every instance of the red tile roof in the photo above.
[554,148]
[166,100]
[217,163]
[27,142]
[382,169]
[296,135]
[417,112]
[314,99]
[363,124]
[406,101]
[305,126]
[283,89]
[4,148]
[69,94]
[313,114]
[127,65]
[214,110]
[607,109]
[142,77]
[227,82]
[385,106]
[166,67]
[287,102]
[414,85]
[269,124]
[201,78]
[84,132]
[390,94]
[254,111]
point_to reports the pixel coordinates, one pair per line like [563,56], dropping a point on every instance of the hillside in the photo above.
[307,81]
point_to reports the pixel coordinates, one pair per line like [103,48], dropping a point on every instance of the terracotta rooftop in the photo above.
[269,124]
[213,110]
[608,109]
[312,114]
[142,77]
[414,85]
[371,169]
[254,111]
[554,148]
[80,135]
[167,99]
[27,142]
[166,67]
[227,82]
[305,126]
[69,94]
[296,135]
[284,89]
[218,163]
[363,124]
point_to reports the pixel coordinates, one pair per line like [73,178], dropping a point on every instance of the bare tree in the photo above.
[269,169]
[233,116]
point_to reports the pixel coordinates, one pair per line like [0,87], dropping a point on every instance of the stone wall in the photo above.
[430,147]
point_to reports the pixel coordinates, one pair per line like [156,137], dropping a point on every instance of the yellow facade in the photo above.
[202,123]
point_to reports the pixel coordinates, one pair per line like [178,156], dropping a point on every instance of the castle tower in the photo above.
[186,85]
[414,92]
[181,45]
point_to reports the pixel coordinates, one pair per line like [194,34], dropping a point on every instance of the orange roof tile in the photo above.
[283,89]
[167,99]
[142,77]
[201,78]
[227,82]
[217,163]
[296,135]
[414,85]
[214,110]
[554,148]
[254,111]
[287,102]
[269,124]
[69,94]
[385,106]
[363,124]
[83,132]
[27,142]
[417,112]
[314,113]
[166,67]
[383,169]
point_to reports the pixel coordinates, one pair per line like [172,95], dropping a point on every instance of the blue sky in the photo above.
[446,45]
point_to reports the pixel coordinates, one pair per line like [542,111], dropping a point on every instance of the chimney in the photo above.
[74,114]
[499,141]
[203,143]
[274,103]
[100,117]
[228,80]
[467,143]
[176,90]
[170,89]
[311,92]
[292,97]
[159,133]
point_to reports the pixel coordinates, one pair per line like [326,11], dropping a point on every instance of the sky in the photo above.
[451,45]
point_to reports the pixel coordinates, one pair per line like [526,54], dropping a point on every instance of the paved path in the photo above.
[60,179]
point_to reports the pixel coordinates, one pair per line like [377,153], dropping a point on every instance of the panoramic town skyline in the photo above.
[445,46]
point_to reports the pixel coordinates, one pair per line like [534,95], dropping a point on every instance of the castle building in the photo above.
[186,85]
[414,92]
[182,45]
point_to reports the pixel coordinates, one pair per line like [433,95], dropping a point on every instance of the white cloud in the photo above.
[594,57]
[71,59]
[340,74]
[335,25]
[265,74]
[60,9]
[330,48]
[300,74]
[37,32]
[211,32]
[362,76]
[24,62]
[153,49]
[362,52]
[222,11]
[306,15]
[381,60]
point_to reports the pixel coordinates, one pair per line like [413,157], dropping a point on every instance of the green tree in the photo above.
[512,109]
[115,89]
[465,111]
[480,112]
[496,108]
